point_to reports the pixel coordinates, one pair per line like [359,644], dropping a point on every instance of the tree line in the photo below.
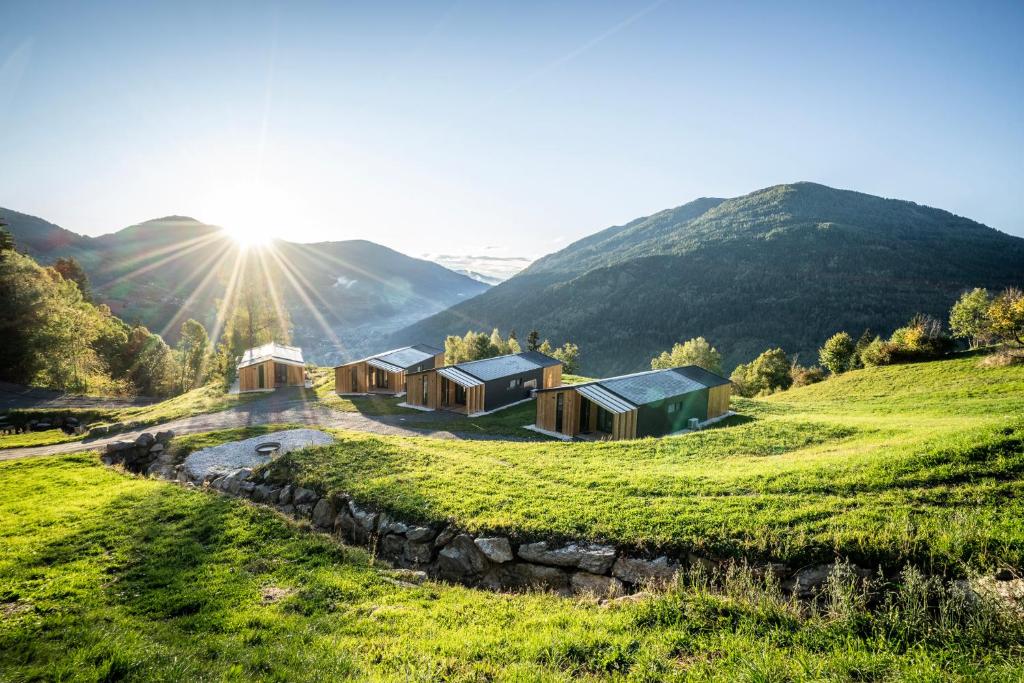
[479,345]
[55,336]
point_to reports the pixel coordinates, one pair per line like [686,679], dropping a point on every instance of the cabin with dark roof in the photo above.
[652,403]
[385,373]
[267,367]
[481,386]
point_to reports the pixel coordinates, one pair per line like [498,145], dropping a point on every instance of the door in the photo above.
[460,394]
[261,381]
[354,385]
[559,410]
[584,415]
[426,390]
[280,374]
[604,420]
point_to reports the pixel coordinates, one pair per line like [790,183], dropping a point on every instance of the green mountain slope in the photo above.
[341,296]
[786,265]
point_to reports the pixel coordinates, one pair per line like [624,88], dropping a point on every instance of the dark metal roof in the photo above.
[653,385]
[699,374]
[505,366]
[403,358]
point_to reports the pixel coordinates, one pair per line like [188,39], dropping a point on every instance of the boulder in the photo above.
[365,519]
[387,525]
[392,546]
[145,440]
[445,537]
[304,511]
[285,496]
[118,446]
[419,534]
[287,510]
[461,558]
[264,493]
[496,549]
[636,571]
[99,430]
[585,583]
[302,496]
[245,488]
[419,553]
[165,436]
[324,514]
[156,449]
[344,523]
[596,559]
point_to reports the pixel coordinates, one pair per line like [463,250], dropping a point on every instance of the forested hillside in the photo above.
[784,266]
[340,296]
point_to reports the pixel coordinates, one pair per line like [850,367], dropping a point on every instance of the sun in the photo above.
[249,235]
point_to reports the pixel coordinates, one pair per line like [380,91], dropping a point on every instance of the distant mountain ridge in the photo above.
[783,266]
[166,270]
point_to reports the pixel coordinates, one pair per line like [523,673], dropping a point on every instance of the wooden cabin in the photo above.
[270,366]
[482,386]
[651,403]
[385,372]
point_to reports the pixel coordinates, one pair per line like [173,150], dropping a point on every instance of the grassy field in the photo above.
[917,463]
[45,438]
[108,577]
[323,386]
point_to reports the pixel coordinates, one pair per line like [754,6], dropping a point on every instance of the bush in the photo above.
[837,355]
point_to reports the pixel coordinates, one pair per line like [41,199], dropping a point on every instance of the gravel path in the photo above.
[228,457]
[280,407]
[18,396]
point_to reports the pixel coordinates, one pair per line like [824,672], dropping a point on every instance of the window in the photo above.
[531,384]
[672,407]
[515,383]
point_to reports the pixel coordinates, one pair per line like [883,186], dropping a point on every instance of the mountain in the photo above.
[784,266]
[342,297]
[481,277]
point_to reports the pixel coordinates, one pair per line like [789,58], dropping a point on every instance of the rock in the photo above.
[245,488]
[264,494]
[365,519]
[285,496]
[461,558]
[156,449]
[218,483]
[445,537]
[637,571]
[165,436]
[100,430]
[810,581]
[705,564]
[419,534]
[596,559]
[387,525]
[324,514]
[287,510]
[305,510]
[393,546]
[496,549]
[145,440]
[344,523]
[585,583]
[527,575]
[419,553]
[71,420]
[118,446]
[301,496]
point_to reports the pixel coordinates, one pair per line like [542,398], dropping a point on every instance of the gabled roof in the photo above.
[489,369]
[279,353]
[645,387]
[398,360]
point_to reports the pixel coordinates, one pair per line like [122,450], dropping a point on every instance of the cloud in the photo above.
[344,282]
[491,269]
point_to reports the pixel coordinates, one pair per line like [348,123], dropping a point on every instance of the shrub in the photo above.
[837,353]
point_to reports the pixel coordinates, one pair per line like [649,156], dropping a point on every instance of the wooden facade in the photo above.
[359,377]
[424,389]
[273,375]
[623,425]
[718,400]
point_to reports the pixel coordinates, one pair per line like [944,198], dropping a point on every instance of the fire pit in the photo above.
[268,448]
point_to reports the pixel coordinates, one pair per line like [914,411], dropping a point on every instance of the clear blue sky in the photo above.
[499,128]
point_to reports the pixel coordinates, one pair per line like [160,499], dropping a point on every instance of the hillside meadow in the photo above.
[106,576]
[915,463]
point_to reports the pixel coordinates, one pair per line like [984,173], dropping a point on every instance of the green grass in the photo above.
[111,577]
[45,438]
[507,422]
[323,386]
[208,399]
[916,463]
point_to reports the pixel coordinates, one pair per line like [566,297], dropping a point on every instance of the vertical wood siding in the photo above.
[718,400]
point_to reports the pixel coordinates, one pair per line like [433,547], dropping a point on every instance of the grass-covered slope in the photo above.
[784,266]
[108,577]
[919,463]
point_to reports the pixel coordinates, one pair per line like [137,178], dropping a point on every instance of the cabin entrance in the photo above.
[595,421]
[453,396]
[380,380]
[280,374]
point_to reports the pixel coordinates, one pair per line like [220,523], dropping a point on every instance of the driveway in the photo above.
[18,396]
[281,407]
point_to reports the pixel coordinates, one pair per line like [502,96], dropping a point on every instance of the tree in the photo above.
[545,348]
[803,376]
[693,352]
[70,269]
[193,349]
[969,318]
[6,238]
[766,374]
[1006,314]
[838,353]
[533,340]
[862,343]
[569,354]
[878,352]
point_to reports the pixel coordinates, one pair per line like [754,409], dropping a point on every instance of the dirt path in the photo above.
[281,407]
[18,396]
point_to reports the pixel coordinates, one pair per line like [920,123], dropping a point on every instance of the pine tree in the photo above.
[533,340]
